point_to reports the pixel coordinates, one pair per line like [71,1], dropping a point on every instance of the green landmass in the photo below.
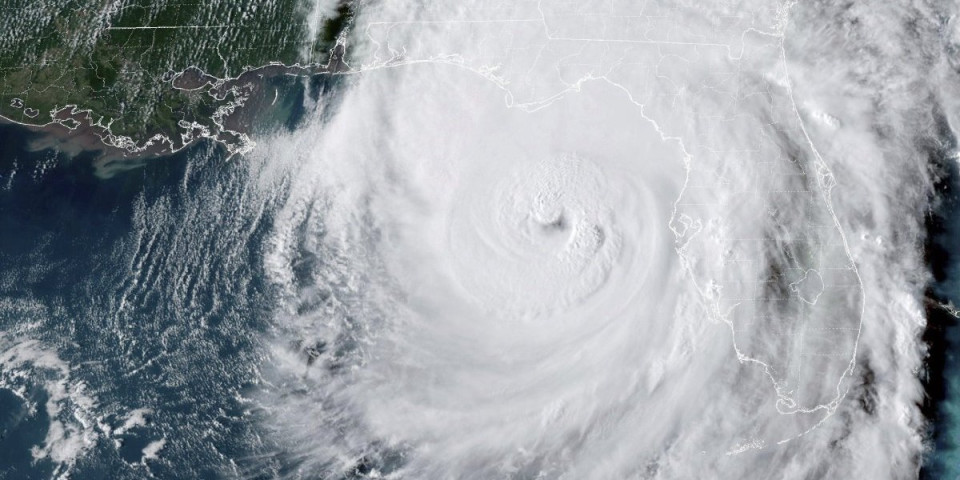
[117,59]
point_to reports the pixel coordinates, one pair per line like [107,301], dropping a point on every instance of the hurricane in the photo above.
[571,250]
[534,239]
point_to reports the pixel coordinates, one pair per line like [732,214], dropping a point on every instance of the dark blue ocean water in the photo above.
[148,285]
[146,291]
[943,328]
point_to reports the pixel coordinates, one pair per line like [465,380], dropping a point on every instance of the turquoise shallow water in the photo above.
[942,377]
[943,461]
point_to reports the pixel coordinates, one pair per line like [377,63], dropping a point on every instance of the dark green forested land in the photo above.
[116,58]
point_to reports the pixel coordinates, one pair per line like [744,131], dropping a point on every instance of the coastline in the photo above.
[239,101]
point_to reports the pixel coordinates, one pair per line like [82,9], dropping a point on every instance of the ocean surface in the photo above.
[942,375]
[445,278]
[137,304]
[134,309]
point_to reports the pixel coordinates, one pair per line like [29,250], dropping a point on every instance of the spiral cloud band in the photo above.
[536,240]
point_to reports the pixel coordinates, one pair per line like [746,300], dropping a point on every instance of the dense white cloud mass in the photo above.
[610,240]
